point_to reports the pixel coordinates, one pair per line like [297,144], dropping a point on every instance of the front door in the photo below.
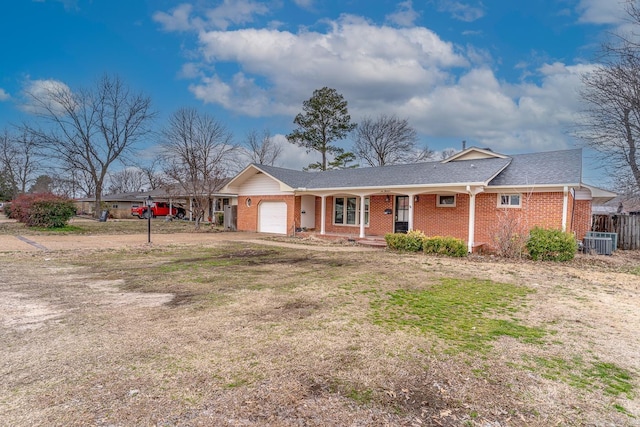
[402,214]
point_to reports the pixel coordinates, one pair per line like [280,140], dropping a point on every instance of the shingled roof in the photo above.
[548,168]
[554,168]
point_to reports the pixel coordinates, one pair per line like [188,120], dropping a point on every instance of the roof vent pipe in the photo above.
[464,145]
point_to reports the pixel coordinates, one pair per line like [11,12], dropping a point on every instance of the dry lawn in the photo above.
[252,334]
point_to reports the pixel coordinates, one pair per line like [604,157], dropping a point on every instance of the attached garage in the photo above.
[272,217]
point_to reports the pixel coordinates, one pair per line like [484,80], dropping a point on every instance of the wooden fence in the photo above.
[627,227]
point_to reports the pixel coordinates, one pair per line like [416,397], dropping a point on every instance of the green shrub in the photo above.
[219,216]
[43,210]
[414,241]
[449,246]
[409,242]
[551,245]
[396,241]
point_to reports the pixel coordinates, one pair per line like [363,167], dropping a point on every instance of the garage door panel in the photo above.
[272,217]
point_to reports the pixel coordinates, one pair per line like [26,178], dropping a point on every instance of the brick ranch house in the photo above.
[465,196]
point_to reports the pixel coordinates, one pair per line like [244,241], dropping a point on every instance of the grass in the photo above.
[87,226]
[462,312]
[266,335]
[595,375]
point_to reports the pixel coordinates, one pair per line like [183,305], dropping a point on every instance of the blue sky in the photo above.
[496,73]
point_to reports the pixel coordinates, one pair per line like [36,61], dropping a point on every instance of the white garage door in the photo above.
[272,217]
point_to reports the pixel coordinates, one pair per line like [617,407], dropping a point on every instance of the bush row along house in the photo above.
[468,196]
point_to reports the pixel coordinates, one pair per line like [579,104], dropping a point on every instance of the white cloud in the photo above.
[353,56]
[4,96]
[444,91]
[507,117]
[601,11]
[404,16]
[304,4]
[230,12]
[42,94]
[461,11]
[235,12]
[178,20]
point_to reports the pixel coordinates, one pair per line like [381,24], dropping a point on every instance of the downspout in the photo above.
[565,208]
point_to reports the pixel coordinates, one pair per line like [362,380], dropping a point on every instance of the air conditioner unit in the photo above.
[612,236]
[599,245]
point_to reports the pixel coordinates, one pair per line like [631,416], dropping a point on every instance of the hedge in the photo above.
[415,241]
[551,245]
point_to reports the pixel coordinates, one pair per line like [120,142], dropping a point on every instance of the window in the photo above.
[114,206]
[221,203]
[509,200]
[446,201]
[346,211]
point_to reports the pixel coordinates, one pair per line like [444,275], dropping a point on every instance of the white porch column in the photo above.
[472,221]
[361,216]
[565,208]
[323,212]
[472,215]
[411,202]
[190,208]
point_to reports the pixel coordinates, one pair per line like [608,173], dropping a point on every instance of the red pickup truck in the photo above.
[158,209]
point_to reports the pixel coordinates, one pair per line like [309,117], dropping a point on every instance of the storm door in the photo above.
[402,214]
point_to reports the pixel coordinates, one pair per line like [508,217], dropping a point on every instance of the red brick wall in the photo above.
[442,221]
[538,209]
[581,218]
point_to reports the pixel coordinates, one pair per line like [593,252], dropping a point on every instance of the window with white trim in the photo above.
[509,200]
[346,211]
[446,200]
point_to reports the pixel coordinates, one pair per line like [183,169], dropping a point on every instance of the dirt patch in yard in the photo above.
[254,333]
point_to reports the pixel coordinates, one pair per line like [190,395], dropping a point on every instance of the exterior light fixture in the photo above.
[417,198]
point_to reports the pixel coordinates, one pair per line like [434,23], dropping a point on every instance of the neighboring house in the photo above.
[119,205]
[465,196]
[620,205]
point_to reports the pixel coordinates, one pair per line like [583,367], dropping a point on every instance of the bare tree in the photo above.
[611,93]
[154,178]
[388,140]
[127,180]
[90,129]
[198,152]
[447,152]
[18,159]
[262,149]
